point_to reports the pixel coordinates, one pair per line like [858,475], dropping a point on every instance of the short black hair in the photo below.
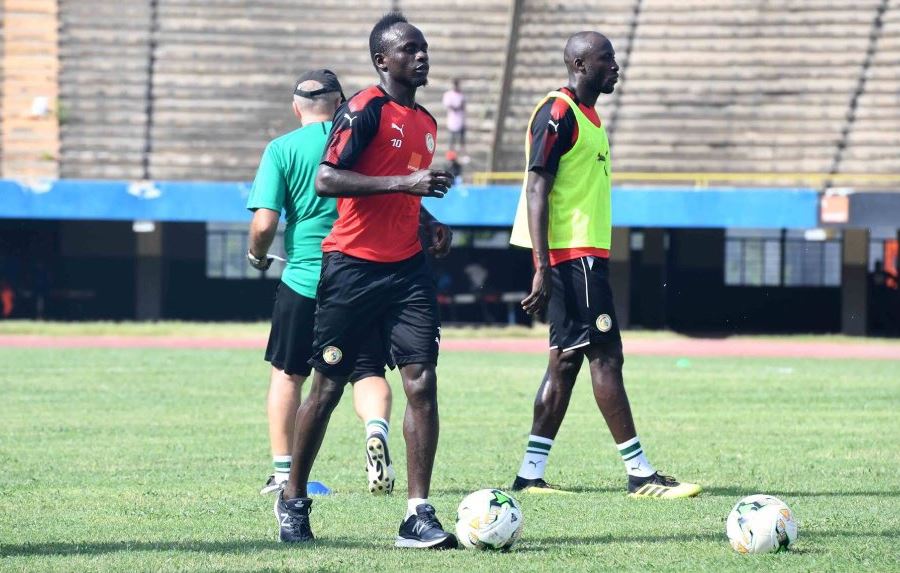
[376,37]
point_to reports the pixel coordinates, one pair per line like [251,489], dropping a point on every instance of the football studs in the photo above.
[332,355]
[429,142]
[604,323]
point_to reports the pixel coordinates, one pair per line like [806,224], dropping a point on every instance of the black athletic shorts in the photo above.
[357,298]
[291,338]
[581,304]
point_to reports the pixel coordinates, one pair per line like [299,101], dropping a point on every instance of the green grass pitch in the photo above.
[151,460]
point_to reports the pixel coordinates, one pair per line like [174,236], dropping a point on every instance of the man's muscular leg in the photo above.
[309,430]
[550,407]
[552,399]
[605,361]
[420,426]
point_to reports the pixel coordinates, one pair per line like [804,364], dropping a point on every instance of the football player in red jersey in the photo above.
[375,275]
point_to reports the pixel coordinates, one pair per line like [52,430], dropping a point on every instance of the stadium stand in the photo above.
[104,54]
[741,86]
[467,40]
[222,82]
[874,137]
[735,86]
[738,86]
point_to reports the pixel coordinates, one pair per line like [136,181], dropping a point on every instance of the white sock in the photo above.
[535,461]
[377,426]
[636,462]
[414,502]
[282,465]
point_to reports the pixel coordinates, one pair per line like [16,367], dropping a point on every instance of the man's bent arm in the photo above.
[333,182]
[262,231]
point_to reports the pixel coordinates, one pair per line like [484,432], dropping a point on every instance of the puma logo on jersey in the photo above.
[350,118]
[555,126]
[398,128]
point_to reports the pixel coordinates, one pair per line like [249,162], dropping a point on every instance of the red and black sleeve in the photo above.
[354,126]
[552,134]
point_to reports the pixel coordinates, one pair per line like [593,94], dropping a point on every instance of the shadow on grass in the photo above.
[729,491]
[99,548]
[536,545]
[518,494]
[555,541]
[740,492]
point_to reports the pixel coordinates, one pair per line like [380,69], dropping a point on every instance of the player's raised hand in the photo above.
[428,183]
[536,302]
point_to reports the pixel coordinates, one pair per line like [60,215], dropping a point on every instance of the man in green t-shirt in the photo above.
[285,180]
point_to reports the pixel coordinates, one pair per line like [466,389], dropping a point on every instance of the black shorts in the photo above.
[291,338]
[357,299]
[581,308]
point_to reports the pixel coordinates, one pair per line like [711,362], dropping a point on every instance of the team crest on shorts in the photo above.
[332,355]
[604,323]
[429,142]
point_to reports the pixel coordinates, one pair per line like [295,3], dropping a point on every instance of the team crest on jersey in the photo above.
[332,355]
[604,323]
[429,142]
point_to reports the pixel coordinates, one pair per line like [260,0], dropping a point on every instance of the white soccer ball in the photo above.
[488,519]
[761,524]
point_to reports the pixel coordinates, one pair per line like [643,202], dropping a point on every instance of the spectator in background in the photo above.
[7,299]
[883,278]
[455,102]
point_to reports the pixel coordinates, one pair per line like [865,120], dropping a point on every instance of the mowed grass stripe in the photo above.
[152,460]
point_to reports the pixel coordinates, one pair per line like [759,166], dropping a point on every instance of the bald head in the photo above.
[582,45]
[591,62]
[320,105]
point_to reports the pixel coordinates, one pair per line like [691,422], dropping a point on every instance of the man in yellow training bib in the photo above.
[565,216]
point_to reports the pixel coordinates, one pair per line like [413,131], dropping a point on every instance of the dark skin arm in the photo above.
[440,234]
[332,182]
[537,192]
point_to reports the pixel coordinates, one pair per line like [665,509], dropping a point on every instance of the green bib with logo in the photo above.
[581,200]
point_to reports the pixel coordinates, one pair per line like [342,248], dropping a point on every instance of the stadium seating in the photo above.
[224,75]
[104,51]
[729,87]
[874,138]
[741,86]
[738,85]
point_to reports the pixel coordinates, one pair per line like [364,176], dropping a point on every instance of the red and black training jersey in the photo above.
[373,134]
[553,133]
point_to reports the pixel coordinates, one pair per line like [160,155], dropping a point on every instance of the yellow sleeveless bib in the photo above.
[580,202]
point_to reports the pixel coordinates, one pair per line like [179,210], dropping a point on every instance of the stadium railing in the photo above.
[884,180]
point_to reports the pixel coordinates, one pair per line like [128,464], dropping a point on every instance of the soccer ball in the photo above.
[761,524]
[488,519]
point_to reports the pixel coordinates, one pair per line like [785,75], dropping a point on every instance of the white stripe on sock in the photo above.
[535,461]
